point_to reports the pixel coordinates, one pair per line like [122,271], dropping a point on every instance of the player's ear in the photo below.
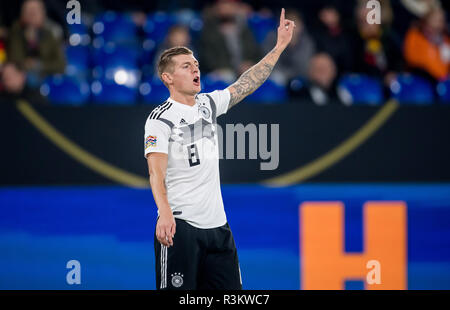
[167,78]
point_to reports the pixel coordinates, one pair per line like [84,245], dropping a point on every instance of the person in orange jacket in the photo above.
[427,46]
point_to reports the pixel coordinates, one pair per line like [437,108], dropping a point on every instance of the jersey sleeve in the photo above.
[156,138]
[221,99]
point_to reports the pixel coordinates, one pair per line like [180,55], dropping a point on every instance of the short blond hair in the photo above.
[165,62]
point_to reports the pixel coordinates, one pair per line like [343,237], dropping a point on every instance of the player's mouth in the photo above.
[196,81]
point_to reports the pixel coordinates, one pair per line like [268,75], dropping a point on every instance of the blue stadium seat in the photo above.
[360,89]
[190,19]
[211,83]
[114,27]
[105,91]
[116,68]
[112,57]
[443,90]
[157,26]
[410,89]
[269,92]
[149,49]
[261,26]
[77,61]
[297,84]
[61,89]
[79,35]
[153,91]
[117,74]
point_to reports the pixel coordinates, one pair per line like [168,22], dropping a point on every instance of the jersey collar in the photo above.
[182,105]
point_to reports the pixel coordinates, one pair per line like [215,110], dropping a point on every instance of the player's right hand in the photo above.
[165,228]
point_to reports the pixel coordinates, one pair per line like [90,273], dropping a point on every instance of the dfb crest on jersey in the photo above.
[205,112]
[177,279]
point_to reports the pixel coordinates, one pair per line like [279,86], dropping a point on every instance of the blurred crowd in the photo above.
[333,39]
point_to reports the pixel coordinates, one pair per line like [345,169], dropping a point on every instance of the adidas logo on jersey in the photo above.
[183,122]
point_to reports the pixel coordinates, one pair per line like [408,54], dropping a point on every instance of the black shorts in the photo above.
[198,259]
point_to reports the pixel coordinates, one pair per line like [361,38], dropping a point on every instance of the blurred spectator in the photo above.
[295,59]
[420,8]
[322,75]
[227,46]
[427,46]
[409,11]
[177,35]
[56,12]
[33,46]
[376,51]
[387,13]
[333,39]
[13,86]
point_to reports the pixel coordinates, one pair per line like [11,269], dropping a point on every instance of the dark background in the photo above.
[412,146]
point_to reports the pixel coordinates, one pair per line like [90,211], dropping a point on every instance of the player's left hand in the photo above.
[285,31]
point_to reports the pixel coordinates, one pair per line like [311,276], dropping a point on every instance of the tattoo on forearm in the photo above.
[253,78]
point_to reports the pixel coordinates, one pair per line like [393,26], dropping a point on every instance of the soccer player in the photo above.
[194,246]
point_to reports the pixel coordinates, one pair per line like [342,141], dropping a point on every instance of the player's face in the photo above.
[186,74]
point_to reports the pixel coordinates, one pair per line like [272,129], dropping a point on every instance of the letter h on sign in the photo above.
[323,261]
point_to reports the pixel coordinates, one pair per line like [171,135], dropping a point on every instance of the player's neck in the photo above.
[183,98]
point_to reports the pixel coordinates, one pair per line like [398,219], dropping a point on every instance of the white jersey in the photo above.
[189,136]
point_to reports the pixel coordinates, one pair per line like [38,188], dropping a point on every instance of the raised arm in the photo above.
[254,77]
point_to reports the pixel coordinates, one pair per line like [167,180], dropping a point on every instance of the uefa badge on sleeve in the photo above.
[150,141]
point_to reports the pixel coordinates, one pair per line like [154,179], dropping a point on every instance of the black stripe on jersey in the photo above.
[164,110]
[213,107]
[167,122]
[157,109]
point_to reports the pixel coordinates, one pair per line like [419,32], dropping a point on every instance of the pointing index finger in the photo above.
[282,17]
